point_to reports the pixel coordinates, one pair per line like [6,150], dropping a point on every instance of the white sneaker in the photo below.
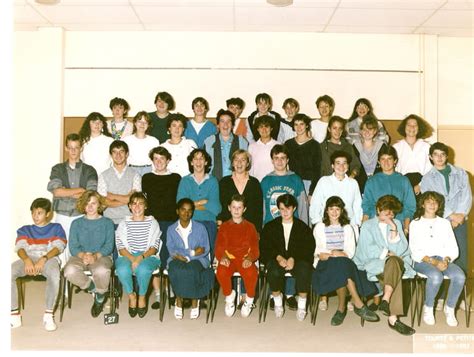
[462,306]
[450,316]
[178,312]
[350,306]
[439,305]
[194,314]
[323,305]
[15,320]
[246,308]
[300,314]
[229,308]
[48,322]
[279,311]
[428,317]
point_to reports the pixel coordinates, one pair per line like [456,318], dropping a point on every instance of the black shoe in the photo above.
[172,300]
[203,304]
[384,307]
[401,328]
[155,305]
[338,318]
[97,308]
[366,314]
[373,307]
[272,304]
[142,311]
[291,303]
[132,311]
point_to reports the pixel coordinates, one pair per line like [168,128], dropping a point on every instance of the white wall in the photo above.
[60,74]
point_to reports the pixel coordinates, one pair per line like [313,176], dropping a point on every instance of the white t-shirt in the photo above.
[96,153]
[179,154]
[319,130]
[139,149]
[197,126]
[286,232]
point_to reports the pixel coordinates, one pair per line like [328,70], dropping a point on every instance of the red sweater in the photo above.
[239,240]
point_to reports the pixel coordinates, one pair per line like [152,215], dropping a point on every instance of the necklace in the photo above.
[117,134]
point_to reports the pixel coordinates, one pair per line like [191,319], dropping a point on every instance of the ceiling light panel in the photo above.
[451,18]
[84,14]
[400,5]
[381,18]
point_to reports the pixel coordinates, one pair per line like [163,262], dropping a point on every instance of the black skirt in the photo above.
[190,280]
[333,274]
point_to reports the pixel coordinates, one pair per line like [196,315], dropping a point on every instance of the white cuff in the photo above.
[383,255]
[192,253]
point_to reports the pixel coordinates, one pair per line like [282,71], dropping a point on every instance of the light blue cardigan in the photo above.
[371,245]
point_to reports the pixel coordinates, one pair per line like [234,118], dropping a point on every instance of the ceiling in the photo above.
[437,17]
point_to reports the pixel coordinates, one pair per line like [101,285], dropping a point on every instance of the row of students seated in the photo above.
[381,255]
[362,137]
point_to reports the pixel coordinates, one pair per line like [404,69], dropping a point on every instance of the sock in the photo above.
[249,300]
[99,297]
[278,300]
[392,320]
[288,296]
[302,303]
[15,312]
[91,287]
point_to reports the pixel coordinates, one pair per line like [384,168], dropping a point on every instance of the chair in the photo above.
[21,288]
[67,286]
[420,280]
[211,300]
[265,298]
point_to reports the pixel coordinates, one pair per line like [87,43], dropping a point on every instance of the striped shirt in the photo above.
[334,237]
[137,236]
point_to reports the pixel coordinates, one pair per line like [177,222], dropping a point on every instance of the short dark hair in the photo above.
[142,114]
[336,201]
[287,200]
[439,146]
[159,150]
[340,153]
[420,210]
[222,112]
[389,202]
[72,137]
[204,153]
[185,200]
[235,101]
[424,128]
[327,99]
[238,198]
[388,150]
[291,101]
[41,202]
[265,120]
[167,98]
[304,118]
[202,100]
[177,117]
[118,144]
[136,196]
[122,102]
[264,97]
[278,149]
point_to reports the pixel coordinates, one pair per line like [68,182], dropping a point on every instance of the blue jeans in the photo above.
[460,232]
[123,268]
[435,280]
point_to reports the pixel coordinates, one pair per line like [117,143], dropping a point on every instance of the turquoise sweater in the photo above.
[395,184]
[207,189]
[371,245]
[92,235]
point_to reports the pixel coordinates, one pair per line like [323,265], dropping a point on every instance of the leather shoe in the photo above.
[373,307]
[401,328]
[291,303]
[155,305]
[132,311]
[366,314]
[97,308]
[142,311]
[384,307]
[338,318]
